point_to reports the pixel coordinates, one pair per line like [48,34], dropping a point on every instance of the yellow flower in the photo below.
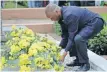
[50,42]
[58,68]
[38,61]
[23,43]
[54,48]
[47,45]
[11,58]
[13,33]
[1,66]
[43,39]
[34,45]
[23,56]
[58,56]
[41,49]
[15,38]
[42,63]
[2,62]
[32,51]
[25,68]
[29,32]
[47,67]
[24,59]
[38,46]
[14,49]
[53,53]
[20,31]
[43,44]
[13,27]
[24,62]
[46,64]
[50,58]
[27,38]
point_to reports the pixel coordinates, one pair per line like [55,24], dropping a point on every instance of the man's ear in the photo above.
[56,11]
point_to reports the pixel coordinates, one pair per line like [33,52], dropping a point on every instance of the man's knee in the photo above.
[78,38]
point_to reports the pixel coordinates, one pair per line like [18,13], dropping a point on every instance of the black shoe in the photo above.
[74,64]
[84,67]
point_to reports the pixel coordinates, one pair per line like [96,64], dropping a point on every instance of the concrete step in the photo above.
[27,21]
[37,25]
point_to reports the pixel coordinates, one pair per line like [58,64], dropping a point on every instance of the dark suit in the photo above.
[78,25]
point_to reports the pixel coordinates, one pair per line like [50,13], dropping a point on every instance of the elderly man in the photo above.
[77,25]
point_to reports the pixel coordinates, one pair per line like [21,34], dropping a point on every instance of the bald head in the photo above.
[51,8]
[53,12]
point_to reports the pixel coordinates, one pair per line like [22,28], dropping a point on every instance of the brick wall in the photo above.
[23,13]
[37,13]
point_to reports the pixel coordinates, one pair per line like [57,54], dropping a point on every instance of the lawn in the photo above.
[104,15]
[12,4]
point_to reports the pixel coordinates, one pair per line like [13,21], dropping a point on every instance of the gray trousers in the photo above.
[80,40]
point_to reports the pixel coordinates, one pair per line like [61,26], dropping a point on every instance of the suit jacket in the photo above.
[72,21]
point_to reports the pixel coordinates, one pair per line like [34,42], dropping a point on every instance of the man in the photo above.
[2,4]
[77,25]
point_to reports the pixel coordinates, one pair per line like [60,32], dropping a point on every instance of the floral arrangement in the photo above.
[31,52]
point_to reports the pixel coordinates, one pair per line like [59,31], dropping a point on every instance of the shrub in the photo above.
[98,44]
[57,28]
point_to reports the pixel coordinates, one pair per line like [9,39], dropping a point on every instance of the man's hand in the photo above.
[63,56]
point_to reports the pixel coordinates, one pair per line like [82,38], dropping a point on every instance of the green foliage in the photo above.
[57,28]
[12,4]
[99,43]
[23,3]
[104,16]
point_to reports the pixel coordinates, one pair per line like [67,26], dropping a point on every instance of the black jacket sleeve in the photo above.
[64,34]
[72,22]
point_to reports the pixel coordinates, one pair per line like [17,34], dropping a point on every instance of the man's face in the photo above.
[54,16]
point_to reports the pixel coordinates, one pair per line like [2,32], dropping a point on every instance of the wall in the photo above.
[37,13]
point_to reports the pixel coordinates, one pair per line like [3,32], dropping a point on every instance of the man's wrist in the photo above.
[65,53]
[66,50]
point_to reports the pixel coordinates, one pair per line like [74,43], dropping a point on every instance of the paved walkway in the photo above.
[27,21]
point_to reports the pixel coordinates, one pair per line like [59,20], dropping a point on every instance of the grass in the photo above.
[104,15]
[12,4]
